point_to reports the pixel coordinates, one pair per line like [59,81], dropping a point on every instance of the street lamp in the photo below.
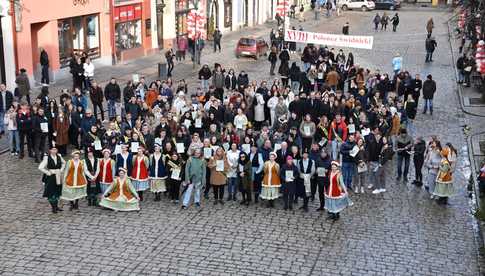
[160,6]
[196,58]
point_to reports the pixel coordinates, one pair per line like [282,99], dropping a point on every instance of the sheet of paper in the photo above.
[97,145]
[187,123]
[321,171]
[277,147]
[134,146]
[175,174]
[158,141]
[246,148]
[117,149]
[289,175]
[198,123]
[351,128]
[207,153]
[220,165]
[365,131]
[180,147]
[354,151]
[225,146]
[44,127]
[307,130]
[194,115]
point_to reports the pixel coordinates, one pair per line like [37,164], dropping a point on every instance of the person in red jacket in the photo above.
[337,134]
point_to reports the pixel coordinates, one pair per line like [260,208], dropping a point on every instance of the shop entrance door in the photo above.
[2,57]
[65,41]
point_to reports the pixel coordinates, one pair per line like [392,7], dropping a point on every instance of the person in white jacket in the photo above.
[88,73]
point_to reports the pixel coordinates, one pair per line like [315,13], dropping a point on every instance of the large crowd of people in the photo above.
[320,132]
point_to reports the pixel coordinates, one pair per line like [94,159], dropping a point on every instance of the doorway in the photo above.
[2,57]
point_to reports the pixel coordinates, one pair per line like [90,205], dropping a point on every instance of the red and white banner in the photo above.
[283,8]
[351,41]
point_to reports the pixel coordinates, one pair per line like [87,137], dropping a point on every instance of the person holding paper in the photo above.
[337,135]
[404,144]
[207,152]
[107,171]
[336,196]
[232,177]
[361,162]
[240,121]
[218,166]
[257,164]
[271,180]
[307,131]
[175,167]
[139,172]
[306,169]
[91,164]
[124,159]
[348,161]
[245,174]
[121,196]
[52,166]
[194,177]
[289,174]
[92,139]
[157,172]
[40,126]
[75,182]
[322,169]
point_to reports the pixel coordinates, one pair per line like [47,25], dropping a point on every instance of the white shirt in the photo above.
[88,69]
[232,159]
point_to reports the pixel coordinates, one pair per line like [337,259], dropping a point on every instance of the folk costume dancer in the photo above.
[107,171]
[121,195]
[91,164]
[158,173]
[289,175]
[124,160]
[75,182]
[336,196]
[306,168]
[271,180]
[139,172]
[257,165]
[444,180]
[52,167]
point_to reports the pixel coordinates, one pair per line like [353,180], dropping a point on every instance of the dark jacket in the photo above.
[205,73]
[243,80]
[272,57]
[230,82]
[430,44]
[429,88]
[96,95]
[411,110]
[345,151]
[8,101]
[112,92]
[24,121]
[373,148]
[44,58]
[36,120]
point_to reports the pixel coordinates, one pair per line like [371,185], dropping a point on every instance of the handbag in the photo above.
[362,167]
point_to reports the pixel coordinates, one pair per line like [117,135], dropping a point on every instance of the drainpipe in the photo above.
[14,34]
[112,31]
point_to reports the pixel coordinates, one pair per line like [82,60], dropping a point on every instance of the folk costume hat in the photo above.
[273,153]
[75,152]
[106,150]
[121,169]
[336,163]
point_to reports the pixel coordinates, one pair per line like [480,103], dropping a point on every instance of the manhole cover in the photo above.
[476,101]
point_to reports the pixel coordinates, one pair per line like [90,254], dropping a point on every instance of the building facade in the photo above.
[7,52]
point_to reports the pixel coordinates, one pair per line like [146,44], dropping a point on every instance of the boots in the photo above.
[54,209]
[256,198]
[157,197]
[90,202]
[248,198]
[140,194]
[243,199]
[76,204]
[57,206]
[71,205]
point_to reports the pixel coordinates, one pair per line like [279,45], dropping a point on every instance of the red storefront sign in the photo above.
[127,13]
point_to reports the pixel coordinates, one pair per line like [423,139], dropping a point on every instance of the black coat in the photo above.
[230,82]
[112,92]
[429,88]
[8,101]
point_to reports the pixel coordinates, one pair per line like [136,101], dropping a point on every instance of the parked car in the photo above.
[387,4]
[363,5]
[251,47]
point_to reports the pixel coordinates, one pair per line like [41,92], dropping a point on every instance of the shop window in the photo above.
[128,35]
[92,23]
[227,13]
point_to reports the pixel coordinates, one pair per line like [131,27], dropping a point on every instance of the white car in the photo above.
[364,5]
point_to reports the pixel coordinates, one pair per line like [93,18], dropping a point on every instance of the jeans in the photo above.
[410,127]
[461,76]
[170,66]
[380,177]
[40,145]
[360,181]
[428,103]
[289,190]
[295,87]
[373,172]
[306,66]
[2,123]
[418,167]
[429,56]
[45,74]
[111,109]
[348,169]
[271,68]
[13,137]
[25,135]
[204,84]
[87,83]
[232,185]
[400,159]
[335,149]
[218,191]
[196,187]
[95,110]
[217,45]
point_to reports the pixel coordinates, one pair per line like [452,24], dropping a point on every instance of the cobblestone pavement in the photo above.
[400,232]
